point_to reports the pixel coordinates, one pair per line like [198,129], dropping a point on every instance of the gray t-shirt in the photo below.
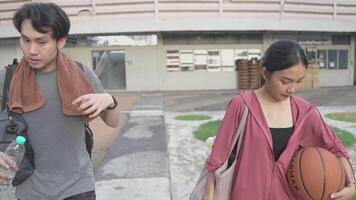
[62,164]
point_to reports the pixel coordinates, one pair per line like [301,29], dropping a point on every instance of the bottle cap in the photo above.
[20,140]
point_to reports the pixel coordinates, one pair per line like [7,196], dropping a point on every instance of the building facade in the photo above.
[164,45]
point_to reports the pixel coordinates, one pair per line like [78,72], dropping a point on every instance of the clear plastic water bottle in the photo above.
[15,150]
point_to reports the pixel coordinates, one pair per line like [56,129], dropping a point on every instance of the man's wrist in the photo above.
[113,105]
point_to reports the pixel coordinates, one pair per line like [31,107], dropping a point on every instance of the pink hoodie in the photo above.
[257,175]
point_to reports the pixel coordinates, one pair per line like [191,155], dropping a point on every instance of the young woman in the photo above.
[278,124]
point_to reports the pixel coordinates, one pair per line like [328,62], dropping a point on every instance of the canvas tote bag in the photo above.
[224,174]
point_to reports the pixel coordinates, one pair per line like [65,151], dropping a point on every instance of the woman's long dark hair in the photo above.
[282,55]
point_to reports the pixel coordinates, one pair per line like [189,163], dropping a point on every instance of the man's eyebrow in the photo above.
[23,35]
[39,38]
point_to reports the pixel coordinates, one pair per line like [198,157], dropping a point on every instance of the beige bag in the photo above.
[224,174]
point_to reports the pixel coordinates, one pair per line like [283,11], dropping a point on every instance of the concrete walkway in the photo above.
[153,156]
[187,155]
[156,156]
[136,165]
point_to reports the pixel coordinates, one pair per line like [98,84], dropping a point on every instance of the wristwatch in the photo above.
[113,105]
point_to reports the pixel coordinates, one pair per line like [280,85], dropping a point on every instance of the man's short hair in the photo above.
[44,17]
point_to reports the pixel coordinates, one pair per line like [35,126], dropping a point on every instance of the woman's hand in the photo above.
[210,187]
[345,194]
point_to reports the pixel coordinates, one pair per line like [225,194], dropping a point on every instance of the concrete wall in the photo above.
[142,71]
[141,65]
[82,55]
[198,80]
[335,78]
[146,66]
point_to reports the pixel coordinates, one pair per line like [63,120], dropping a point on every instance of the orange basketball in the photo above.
[315,173]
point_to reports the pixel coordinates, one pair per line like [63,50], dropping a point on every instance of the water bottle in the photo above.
[15,150]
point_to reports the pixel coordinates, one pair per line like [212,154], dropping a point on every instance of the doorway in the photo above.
[109,65]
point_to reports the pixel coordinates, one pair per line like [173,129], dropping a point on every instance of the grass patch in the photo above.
[209,129]
[346,116]
[347,138]
[192,117]
[206,130]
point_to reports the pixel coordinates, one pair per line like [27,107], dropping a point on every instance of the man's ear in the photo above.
[61,42]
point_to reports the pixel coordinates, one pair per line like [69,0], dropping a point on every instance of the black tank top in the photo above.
[280,138]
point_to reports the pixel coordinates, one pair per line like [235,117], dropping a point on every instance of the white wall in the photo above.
[141,65]
[82,55]
[335,78]
[142,71]
[199,81]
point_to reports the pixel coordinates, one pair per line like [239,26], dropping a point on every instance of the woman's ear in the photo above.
[264,73]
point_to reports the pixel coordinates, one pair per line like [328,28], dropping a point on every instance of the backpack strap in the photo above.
[89,139]
[6,86]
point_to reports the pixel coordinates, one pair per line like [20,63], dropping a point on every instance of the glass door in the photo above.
[109,66]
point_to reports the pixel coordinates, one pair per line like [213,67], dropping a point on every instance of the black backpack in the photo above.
[13,125]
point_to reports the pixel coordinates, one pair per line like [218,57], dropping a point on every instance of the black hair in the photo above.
[44,16]
[282,55]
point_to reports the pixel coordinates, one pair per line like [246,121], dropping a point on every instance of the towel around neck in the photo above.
[25,94]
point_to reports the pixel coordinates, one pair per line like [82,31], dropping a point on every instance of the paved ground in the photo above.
[136,166]
[185,154]
[153,156]
[218,100]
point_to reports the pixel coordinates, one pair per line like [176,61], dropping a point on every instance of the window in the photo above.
[213,60]
[110,68]
[172,60]
[186,60]
[200,59]
[240,54]
[343,59]
[322,59]
[332,59]
[227,60]
[253,53]
[311,55]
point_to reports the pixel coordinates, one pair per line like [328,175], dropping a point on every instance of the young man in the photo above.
[55,97]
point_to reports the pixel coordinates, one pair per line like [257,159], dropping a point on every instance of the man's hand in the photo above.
[93,104]
[6,162]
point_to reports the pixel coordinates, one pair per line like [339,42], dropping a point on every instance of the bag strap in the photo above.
[239,133]
[6,86]
[82,68]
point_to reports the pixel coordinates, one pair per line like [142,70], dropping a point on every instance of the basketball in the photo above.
[315,173]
